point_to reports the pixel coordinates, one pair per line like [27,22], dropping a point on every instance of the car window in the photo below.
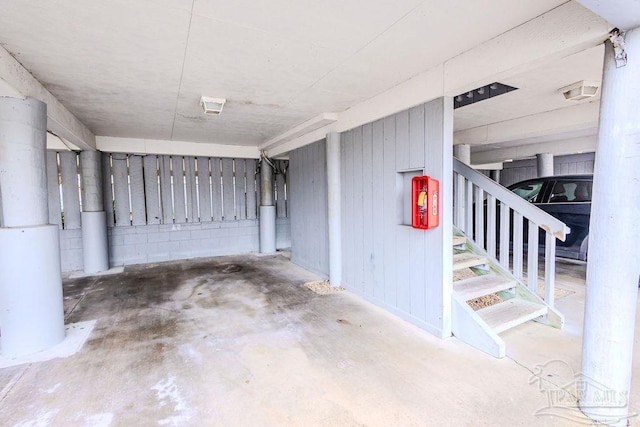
[528,191]
[571,191]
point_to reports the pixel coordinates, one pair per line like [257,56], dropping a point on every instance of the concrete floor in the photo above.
[239,341]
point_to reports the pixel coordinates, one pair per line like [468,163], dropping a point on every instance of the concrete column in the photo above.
[462,152]
[267,209]
[94,219]
[495,175]
[438,163]
[614,260]
[545,164]
[334,208]
[31,307]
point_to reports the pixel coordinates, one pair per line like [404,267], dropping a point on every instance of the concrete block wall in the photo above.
[213,212]
[71,249]
[157,243]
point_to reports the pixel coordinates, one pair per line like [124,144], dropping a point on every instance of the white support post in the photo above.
[545,164]
[614,260]
[438,163]
[463,153]
[550,269]
[479,217]
[31,305]
[518,243]
[334,208]
[491,225]
[468,210]
[532,256]
[504,235]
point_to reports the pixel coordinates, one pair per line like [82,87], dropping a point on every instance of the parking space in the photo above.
[220,341]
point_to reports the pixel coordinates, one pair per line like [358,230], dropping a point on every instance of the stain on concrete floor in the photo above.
[241,341]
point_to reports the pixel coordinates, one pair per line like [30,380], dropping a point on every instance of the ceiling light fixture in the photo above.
[580,90]
[212,105]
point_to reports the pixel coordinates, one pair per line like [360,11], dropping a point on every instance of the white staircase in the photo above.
[489,259]
[514,304]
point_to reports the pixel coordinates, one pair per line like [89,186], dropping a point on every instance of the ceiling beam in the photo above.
[488,166]
[317,122]
[576,118]
[54,142]
[17,81]
[110,144]
[565,30]
[585,144]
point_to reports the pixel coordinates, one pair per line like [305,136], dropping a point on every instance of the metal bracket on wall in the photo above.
[617,40]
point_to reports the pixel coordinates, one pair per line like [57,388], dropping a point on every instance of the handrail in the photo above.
[478,217]
[545,221]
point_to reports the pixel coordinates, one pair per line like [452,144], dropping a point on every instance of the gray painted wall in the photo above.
[574,164]
[156,219]
[308,189]
[402,269]
[520,170]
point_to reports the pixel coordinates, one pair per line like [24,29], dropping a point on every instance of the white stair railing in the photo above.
[496,222]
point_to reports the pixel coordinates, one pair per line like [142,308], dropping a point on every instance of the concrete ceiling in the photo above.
[625,14]
[137,69]
[538,90]
[499,122]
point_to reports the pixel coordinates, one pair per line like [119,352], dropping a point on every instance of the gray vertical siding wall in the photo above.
[520,170]
[308,200]
[405,270]
[574,164]
[156,212]
[517,171]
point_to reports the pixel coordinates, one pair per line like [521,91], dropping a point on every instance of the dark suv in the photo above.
[567,198]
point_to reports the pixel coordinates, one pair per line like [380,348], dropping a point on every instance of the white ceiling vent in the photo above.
[580,90]
[212,105]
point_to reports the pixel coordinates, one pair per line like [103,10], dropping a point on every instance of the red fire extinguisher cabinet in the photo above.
[425,206]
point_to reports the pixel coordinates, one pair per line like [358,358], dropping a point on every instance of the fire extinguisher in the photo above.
[425,209]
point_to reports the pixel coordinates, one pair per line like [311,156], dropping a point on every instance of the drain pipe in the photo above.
[267,206]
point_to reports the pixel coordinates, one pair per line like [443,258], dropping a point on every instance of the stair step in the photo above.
[459,240]
[480,286]
[466,260]
[510,313]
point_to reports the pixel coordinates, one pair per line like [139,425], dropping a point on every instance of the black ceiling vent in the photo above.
[481,93]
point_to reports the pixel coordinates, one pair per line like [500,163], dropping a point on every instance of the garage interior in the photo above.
[174,175]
